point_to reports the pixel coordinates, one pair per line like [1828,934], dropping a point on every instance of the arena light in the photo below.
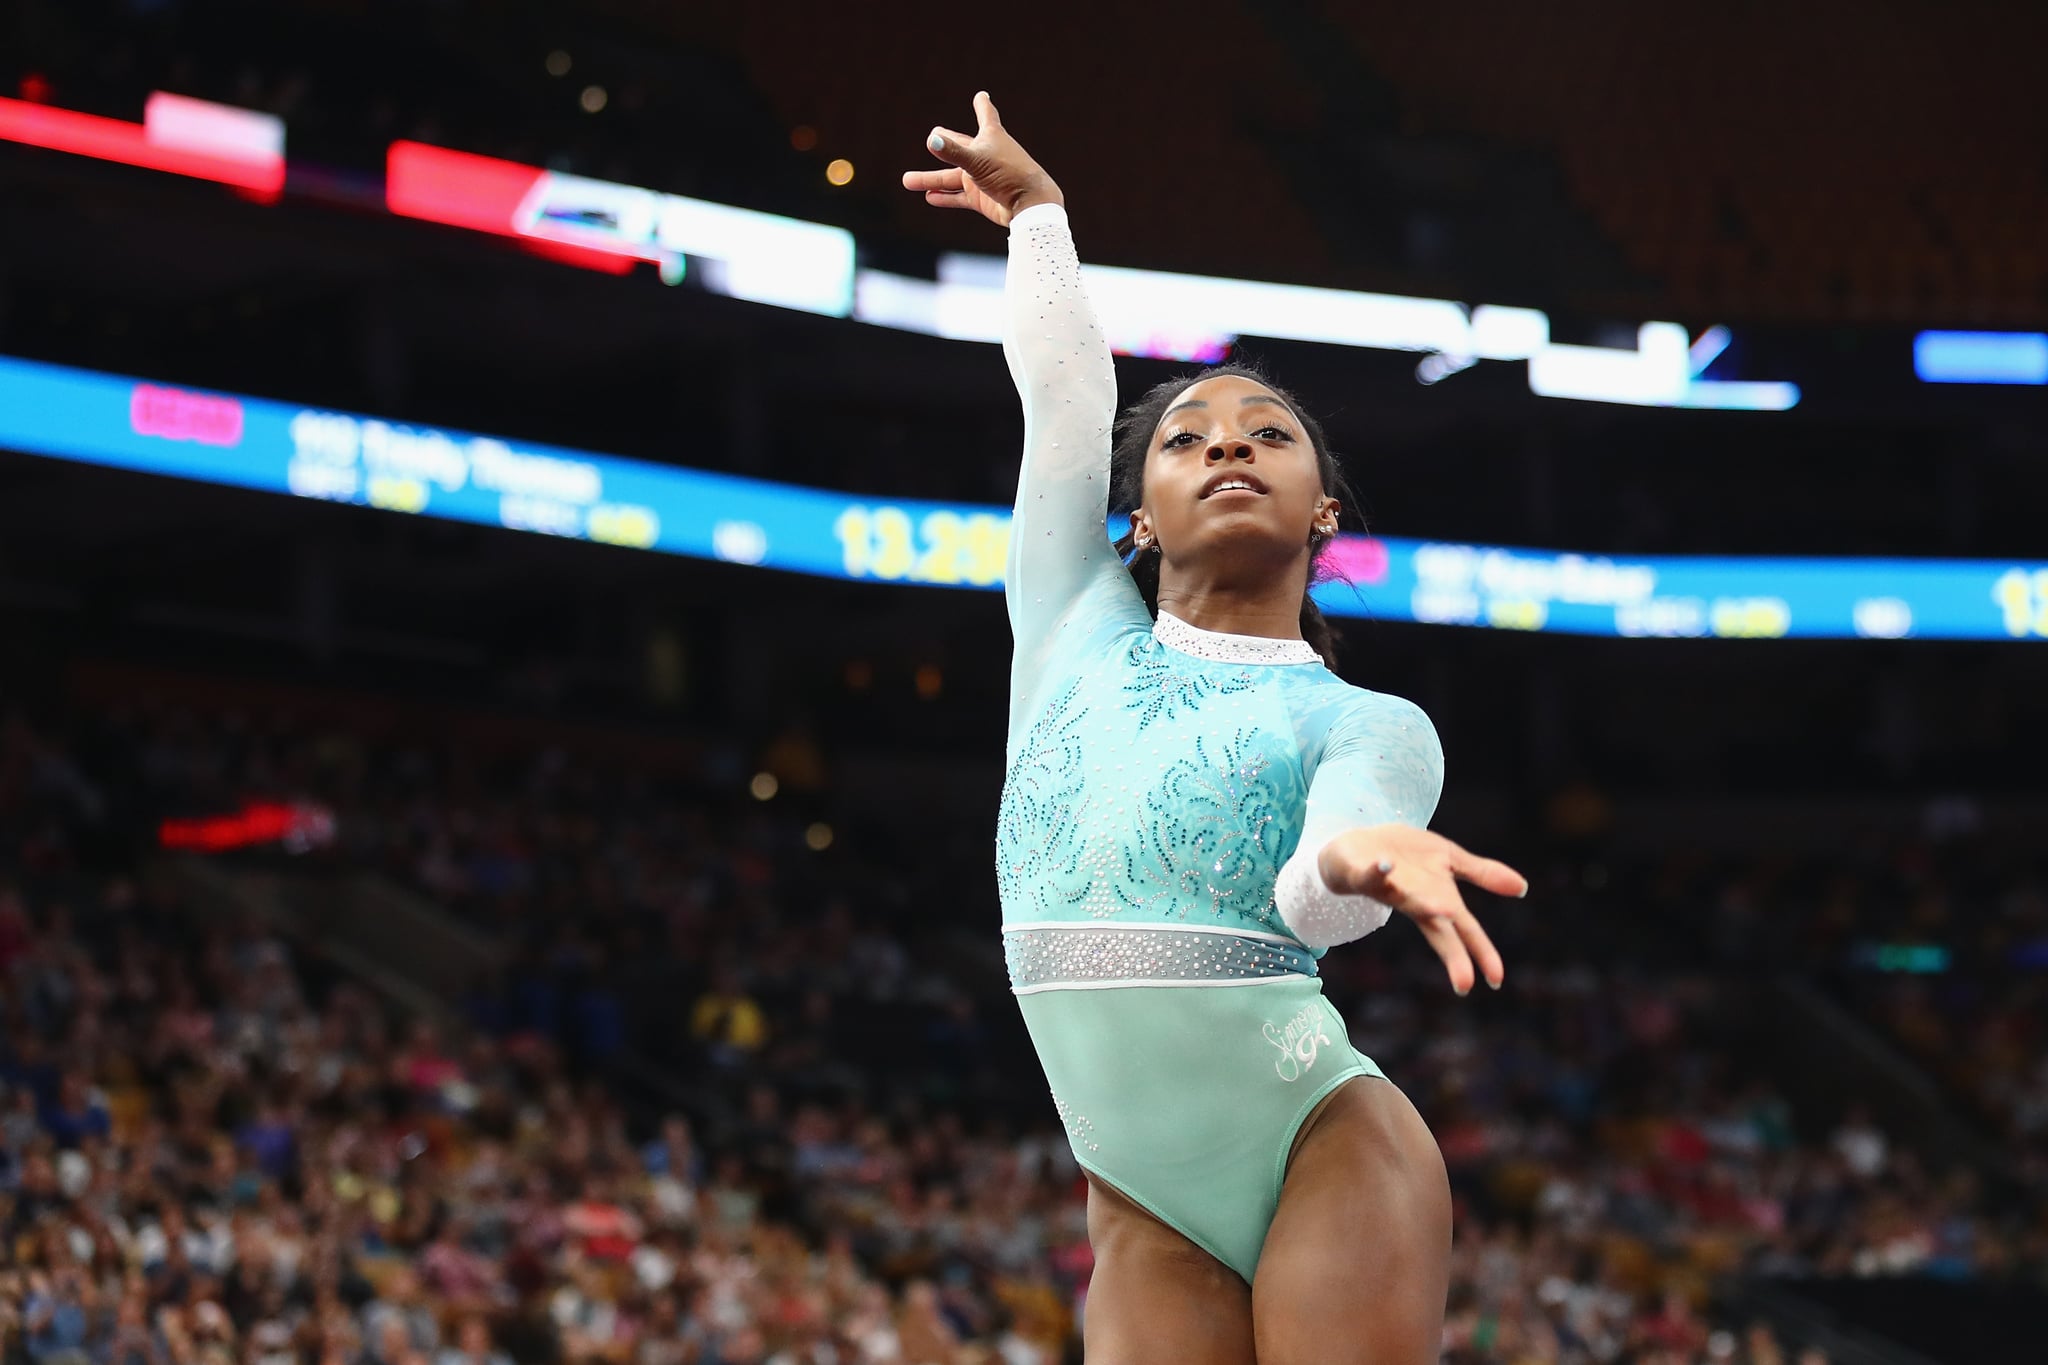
[1167,316]
[1660,372]
[1158,314]
[1981,357]
[298,825]
[180,136]
[223,130]
[1739,395]
[790,263]
[903,302]
[759,257]
[1656,373]
[260,444]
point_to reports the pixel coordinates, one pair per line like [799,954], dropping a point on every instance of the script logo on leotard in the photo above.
[1298,1042]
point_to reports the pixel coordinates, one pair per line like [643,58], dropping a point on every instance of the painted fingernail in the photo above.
[1496,984]
[1385,867]
[938,143]
[1523,894]
[1462,991]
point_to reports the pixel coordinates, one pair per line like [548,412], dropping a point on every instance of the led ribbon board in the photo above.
[767,258]
[785,261]
[1981,357]
[181,136]
[255,443]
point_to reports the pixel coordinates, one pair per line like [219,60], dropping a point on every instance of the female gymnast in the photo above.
[1196,807]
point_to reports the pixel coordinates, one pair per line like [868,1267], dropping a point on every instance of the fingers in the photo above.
[1468,954]
[945,189]
[1488,874]
[955,149]
[1442,935]
[1447,923]
[1481,949]
[945,181]
[986,120]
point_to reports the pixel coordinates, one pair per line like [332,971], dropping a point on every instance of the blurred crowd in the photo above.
[217,1147]
[208,1156]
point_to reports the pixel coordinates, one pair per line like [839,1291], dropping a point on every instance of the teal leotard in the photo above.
[1160,929]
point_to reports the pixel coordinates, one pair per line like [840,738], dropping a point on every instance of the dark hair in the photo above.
[1134,428]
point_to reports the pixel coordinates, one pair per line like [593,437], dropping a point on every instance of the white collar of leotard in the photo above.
[1220,648]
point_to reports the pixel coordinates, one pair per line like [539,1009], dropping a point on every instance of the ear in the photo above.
[1327,512]
[1141,530]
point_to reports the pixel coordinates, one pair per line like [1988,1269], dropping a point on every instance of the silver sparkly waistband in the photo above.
[1080,956]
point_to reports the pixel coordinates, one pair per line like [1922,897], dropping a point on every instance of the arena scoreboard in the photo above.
[283,448]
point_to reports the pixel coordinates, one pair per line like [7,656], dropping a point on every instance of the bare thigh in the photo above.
[1357,1263]
[1155,1297]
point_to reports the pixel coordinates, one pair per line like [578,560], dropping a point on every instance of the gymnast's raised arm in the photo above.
[1060,362]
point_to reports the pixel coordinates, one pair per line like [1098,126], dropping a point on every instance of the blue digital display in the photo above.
[277,447]
[1981,357]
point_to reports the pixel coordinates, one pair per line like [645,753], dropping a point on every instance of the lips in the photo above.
[1233,479]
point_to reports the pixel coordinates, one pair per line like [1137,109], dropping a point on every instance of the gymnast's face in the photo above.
[1230,472]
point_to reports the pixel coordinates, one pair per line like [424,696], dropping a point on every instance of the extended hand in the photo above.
[1417,873]
[987,172]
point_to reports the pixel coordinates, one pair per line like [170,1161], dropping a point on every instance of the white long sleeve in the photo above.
[1060,362]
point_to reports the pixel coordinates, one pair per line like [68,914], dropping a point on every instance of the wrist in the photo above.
[1040,191]
[1330,864]
[1347,862]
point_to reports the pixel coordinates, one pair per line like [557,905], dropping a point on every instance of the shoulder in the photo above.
[1336,703]
[1383,712]
[1102,619]
[1378,725]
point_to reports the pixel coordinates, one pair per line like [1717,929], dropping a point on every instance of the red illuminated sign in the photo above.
[484,194]
[299,827]
[176,141]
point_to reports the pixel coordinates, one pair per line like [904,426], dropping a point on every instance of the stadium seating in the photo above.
[353,1176]
[1907,187]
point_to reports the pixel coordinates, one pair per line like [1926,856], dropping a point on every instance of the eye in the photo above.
[1272,433]
[1178,439]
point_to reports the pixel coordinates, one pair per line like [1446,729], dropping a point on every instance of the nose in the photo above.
[1229,450]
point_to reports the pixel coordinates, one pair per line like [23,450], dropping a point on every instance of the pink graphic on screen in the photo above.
[181,415]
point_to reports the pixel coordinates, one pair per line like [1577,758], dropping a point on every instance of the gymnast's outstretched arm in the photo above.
[1364,851]
[1060,362]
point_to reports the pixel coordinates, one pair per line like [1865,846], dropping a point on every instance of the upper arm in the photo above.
[1380,764]
[1060,362]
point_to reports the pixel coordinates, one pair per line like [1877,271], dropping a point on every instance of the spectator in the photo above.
[728,1021]
[398,1320]
[1861,1144]
[57,1316]
[473,1345]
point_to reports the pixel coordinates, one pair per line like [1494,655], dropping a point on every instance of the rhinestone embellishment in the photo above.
[1218,647]
[1078,1125]
[1039,957]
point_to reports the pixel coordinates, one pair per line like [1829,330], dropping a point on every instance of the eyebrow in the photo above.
[1244,402]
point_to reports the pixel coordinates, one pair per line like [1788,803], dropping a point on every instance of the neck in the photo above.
[1270,608]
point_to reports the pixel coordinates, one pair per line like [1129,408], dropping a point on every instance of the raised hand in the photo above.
[1417,873]
[987,172]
